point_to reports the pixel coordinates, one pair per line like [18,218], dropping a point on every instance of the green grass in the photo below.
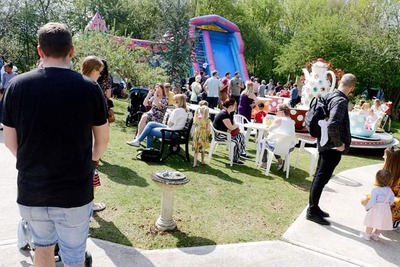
[219,205]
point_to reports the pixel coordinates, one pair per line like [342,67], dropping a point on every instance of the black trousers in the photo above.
[327,162]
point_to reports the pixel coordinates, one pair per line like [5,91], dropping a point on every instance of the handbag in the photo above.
[235,132]
[111,116]
[149,155]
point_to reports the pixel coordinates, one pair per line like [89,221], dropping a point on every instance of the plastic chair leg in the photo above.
[269,162]
[211,151]
[260,157]
[301,149]
[287,165]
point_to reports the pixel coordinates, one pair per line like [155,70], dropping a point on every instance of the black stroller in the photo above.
[136,107]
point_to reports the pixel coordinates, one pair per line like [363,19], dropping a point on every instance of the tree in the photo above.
[174,33]
[129,63]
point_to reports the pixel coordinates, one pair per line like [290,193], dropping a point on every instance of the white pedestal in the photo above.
[168,181]
[165,221]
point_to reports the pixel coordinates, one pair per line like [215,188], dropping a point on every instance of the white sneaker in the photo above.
[134,142]
[365,236]
[375,237]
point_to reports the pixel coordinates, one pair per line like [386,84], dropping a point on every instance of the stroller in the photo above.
[24,242]
[136,107]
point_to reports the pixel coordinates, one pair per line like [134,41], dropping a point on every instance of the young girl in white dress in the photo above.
[379,215]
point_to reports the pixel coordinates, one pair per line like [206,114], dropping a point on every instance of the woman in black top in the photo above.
[224,122]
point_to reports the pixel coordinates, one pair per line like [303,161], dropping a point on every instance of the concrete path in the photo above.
[304,243]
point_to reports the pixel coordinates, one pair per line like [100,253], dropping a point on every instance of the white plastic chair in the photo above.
[214,143]
[312,150]
[283,143]
[240,120]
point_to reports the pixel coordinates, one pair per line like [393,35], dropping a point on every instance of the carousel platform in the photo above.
[375,141]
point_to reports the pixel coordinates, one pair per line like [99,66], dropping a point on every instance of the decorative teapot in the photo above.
[316,83]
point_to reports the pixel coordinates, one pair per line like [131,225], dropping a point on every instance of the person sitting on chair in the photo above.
[177,120]
[224,122]
[282,124]
[158,99]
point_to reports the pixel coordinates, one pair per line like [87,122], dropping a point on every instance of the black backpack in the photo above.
[318,111]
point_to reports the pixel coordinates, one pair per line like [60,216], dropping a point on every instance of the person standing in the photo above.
[55,161]
[93,68]
[196,89]
[8,75]
[248,101]
[270,88]
[379,215]
[236,85]
[193,78]
[339,139]
[212,86]
[201,134]
[261,89]
[294,94]
[223,94]
[278,88]
[256,86]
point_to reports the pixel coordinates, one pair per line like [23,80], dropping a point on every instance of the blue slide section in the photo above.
[224,48]
[224,60]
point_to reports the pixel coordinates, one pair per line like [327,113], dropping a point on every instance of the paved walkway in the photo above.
[304,243]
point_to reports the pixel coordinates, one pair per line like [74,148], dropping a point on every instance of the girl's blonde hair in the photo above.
[383,178]
[203,103]
[198,78]
[90,64]
[366,106]
[201,112]
[180,101]
[249,88]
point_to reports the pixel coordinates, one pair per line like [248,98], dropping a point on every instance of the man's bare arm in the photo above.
[101,138]
[10,139]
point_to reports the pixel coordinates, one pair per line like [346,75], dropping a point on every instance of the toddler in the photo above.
[201,133]
[364,109]
[259,116]
[371,120]
[379,215]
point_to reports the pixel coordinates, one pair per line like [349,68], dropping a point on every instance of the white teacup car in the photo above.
[358,125]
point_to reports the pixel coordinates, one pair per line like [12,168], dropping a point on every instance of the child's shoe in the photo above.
[375,237]
[365,236]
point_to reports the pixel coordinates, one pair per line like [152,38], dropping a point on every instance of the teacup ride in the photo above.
[359,129]
[317,85]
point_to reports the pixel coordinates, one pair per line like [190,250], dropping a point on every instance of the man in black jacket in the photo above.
[339,139]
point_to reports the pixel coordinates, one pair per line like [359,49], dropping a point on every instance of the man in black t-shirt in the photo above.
[55,124]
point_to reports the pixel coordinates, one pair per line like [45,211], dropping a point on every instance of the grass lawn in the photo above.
[219,205]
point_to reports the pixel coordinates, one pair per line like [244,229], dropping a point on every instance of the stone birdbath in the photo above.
[168,181]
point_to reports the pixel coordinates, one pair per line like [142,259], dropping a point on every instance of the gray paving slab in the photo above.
[304,243]
[341,199]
